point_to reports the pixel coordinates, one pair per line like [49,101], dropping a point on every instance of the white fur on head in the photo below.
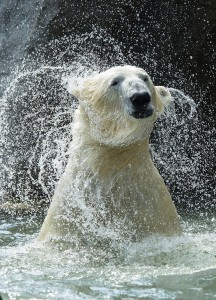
[107,105]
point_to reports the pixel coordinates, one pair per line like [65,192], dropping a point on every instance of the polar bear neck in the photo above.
[110,130]
[107,160]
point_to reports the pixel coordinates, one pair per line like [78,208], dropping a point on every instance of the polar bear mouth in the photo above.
[144,112]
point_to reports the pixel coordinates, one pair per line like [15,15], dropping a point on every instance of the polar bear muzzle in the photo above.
[141,104]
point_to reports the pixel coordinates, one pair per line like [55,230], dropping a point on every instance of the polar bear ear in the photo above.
[73,87]
[164,95]
[79,88]
[85,90]
[75,91]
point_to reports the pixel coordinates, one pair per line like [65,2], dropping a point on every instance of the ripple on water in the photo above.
[156,268]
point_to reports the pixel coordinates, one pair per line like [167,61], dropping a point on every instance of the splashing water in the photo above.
[156,268]
[35,122]
[35,119]
[180,154]
[37,112]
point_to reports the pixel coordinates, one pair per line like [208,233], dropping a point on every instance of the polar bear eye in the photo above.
[144,77]
[115,82]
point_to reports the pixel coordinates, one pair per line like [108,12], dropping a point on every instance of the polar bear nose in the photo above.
[140,99]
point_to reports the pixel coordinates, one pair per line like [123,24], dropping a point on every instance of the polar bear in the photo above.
[110,187]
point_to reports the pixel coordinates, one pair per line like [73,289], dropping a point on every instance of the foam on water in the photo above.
[149,268]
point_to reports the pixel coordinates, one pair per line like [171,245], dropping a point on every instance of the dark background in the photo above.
[179,39]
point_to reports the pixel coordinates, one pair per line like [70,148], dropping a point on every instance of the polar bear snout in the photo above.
[141,105]
[140,99]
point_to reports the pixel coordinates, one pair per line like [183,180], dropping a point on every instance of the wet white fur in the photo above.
[110,180]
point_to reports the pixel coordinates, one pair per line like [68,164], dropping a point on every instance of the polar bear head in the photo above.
[121,105]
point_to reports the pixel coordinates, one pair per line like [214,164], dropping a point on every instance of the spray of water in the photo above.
[36,118]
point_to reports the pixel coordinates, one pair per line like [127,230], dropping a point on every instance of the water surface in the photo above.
[156,268]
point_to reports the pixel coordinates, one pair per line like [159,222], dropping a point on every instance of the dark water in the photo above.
[156,268]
